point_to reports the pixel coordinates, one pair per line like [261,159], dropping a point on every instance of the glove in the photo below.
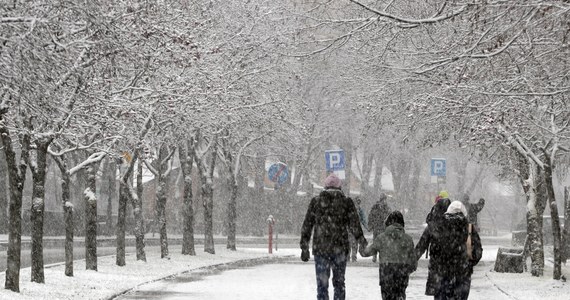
[362,244]
[305,255]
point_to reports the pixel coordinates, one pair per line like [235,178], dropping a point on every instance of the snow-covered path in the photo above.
[292,281]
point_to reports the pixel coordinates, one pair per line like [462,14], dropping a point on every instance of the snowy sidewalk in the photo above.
[111,280]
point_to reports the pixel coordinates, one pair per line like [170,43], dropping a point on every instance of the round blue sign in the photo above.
[278,173]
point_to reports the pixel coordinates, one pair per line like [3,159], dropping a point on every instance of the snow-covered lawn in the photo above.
[111,280]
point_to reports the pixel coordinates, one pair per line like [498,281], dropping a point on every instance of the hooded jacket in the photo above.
[329,218]
[394,246]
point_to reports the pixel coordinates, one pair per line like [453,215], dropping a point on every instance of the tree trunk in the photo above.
[208,198]
[111,180]
[67,213]
[529,180]
[556,239]
[163,170]
[138,215]
[124,196]
[4,189]
[91,218]
[232,213]
[186,160]
[121,220]
[37,212]
[566,232]
[17,178]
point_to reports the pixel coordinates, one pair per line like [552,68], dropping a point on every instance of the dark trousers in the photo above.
[393,281]
[323,266]
[453,288]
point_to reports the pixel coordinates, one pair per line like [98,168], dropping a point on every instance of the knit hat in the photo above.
[332,181]
[444,194]
[457,207]
[394,217]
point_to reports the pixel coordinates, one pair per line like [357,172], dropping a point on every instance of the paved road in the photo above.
[55,255]
[291,280]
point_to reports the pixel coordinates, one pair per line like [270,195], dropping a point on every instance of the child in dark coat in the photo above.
[396,256]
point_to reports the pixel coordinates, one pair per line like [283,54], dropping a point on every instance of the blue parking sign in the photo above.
[438,167]
[334,160]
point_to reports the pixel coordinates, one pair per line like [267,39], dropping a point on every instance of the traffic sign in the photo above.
[278,172]
[334,160]
[438,167]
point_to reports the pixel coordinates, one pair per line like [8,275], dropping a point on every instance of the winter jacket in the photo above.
[376,217]
[329,218]
[427,241]
[450,249]
[394,246]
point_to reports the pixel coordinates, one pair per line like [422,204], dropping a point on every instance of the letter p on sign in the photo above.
[334,160]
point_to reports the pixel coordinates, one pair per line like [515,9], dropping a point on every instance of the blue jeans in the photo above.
[323,266]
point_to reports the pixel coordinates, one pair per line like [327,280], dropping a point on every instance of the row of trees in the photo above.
[220,84]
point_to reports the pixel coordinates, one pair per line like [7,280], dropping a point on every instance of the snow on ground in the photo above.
[110,279]
[362,282]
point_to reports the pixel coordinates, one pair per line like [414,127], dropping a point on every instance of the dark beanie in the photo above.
[394,217]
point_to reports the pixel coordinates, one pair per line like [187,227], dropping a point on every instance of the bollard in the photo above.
[270,222]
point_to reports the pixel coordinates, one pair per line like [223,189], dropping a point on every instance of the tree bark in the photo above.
[17,178]
[232,213]
[566,232]
[111,182]
[39,167]
[162,167]
[186,161]
[67,213]
[91,218]
[529,180]
[206,177]
[4,189]
[138,215]
[124,196]
[557,236]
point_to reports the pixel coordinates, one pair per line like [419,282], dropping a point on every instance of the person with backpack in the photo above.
[459,250]
[396,257]
[329,219]
[378,213]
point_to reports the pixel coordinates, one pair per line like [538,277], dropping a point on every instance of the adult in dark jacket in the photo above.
[429,237]
[329,219]
[378,214]
[396,256]
[472,209]
[453,264]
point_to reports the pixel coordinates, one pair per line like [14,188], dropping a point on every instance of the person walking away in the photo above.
[329,219]
[378,213]
[473,209]
[455,264]
[396,257]
[352,240]
[427,243]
